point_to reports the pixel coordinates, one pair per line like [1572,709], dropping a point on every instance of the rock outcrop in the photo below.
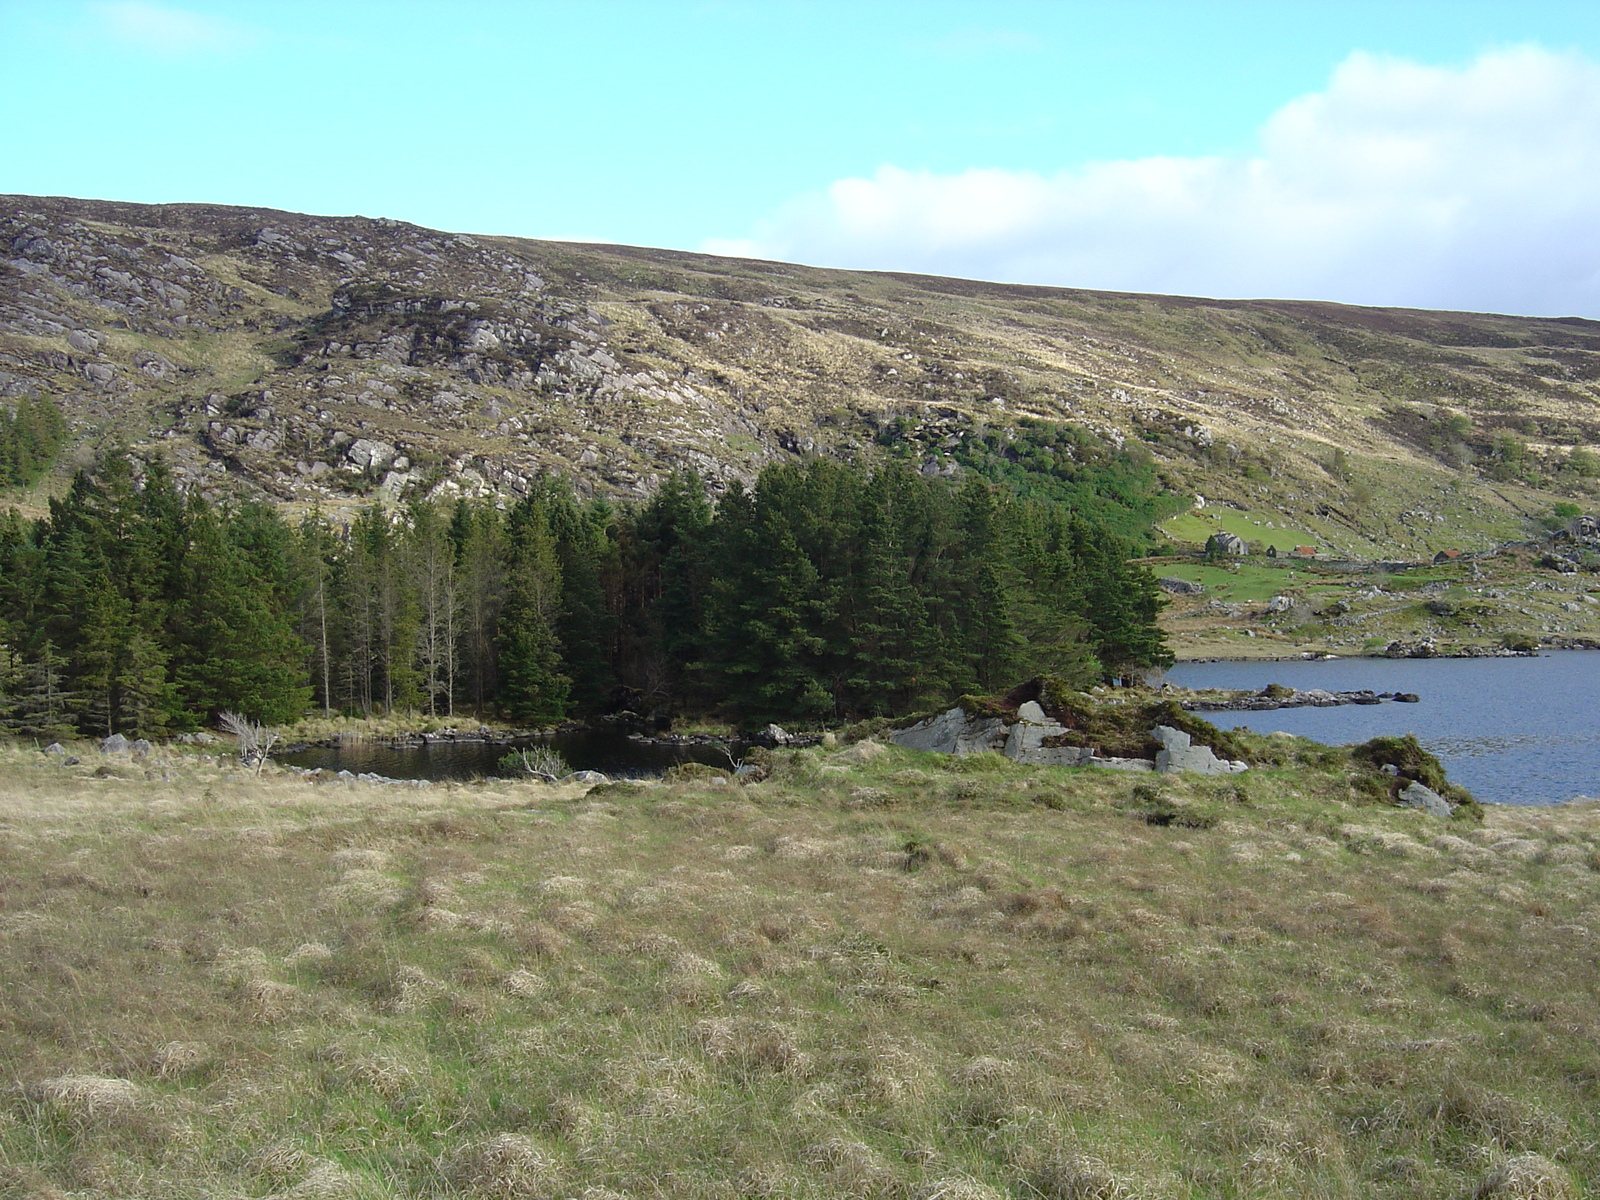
[1034,738]
[1179,753]
[1418,795]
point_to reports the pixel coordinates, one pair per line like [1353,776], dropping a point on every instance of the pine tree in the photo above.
[477,533]
[764,614]
[585,626]
[314,554]
[532,688]
[438,605]
[890,634]
[984,633]
[242,654]
[41,704]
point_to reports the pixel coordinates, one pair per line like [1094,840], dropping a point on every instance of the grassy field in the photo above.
[1503,600]
[1196,527]
[875,973]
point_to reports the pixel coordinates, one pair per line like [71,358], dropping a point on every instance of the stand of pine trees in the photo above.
[826,591]
[30,438]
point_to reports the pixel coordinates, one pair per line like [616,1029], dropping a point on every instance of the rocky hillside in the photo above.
[334,359]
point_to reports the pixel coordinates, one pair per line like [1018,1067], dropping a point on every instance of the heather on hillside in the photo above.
[823,592]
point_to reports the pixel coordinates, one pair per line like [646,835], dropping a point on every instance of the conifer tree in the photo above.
[891,648]
[314,555]
[438,602]
[477,533]
[532,688]
[242,654]
[585,626]
[41,703]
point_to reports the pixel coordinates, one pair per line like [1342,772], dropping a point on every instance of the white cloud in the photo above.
[170,31]
[1400,184]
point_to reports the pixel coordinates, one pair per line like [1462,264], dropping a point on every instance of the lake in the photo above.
[605,750]
[1512,730]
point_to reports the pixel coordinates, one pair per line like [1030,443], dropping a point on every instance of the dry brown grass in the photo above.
[1011,987]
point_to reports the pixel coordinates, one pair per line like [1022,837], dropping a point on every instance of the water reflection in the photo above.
[608,751]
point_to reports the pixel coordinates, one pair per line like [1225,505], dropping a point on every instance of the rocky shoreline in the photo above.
[1277,697]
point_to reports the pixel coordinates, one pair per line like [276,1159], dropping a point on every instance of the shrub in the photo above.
[696,772]
[535,762]
[1410,762]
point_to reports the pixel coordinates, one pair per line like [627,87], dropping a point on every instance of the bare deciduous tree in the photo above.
[255,740]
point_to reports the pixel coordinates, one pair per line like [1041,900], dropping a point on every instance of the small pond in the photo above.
[604,750]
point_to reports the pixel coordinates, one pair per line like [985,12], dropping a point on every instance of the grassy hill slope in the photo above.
[332,359]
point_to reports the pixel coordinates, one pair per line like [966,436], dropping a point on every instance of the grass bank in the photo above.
[874,973]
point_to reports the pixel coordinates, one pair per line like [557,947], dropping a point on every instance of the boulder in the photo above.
[115,744]
[1028,734]
[57,749]
[585,777]
[1179,587]
[953,732]
[139,747]
[1280,604]
[1178,753]
[367,453]
[1417,795]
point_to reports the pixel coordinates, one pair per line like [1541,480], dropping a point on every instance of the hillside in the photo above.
[333,359]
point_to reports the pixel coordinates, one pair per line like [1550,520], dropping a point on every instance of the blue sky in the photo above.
[1437,154]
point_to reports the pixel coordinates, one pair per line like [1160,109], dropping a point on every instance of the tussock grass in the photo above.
[872,973]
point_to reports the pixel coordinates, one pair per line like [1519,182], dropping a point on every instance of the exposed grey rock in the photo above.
[953,732]
[586,777]
[83,340]
[1417,795]
[1178,753]
[115,744]
[1179,587]
[1024,742]
[777,735]
[155,365]
[1063,756]
[56,748]
[365,453]
[1280,604]
[140,747]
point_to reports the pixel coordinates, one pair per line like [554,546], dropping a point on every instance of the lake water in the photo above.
[604,750]
[1512,730]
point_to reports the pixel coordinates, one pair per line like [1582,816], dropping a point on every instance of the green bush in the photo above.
[1410,763]
[696,772]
